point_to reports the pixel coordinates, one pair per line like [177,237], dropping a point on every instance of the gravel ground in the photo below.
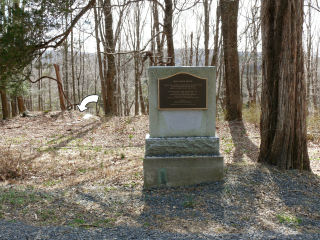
[19,231]
[250,204]
[253,201]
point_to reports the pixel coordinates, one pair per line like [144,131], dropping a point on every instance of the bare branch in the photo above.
[63,36]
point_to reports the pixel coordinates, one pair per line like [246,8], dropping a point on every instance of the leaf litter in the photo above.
[87,172]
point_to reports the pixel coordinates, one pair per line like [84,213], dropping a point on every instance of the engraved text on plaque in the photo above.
[182,91]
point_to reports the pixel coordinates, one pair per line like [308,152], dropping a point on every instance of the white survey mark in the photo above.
[91,98]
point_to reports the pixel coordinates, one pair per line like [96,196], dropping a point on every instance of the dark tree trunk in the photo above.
[101,76]
[60,87]
[5,105]
[216,39]
[142,105]
[73,75]
[283,103]
[167,28]
[229,17]
[21,105]
[111,72]
[159,58]
[191,49]
[206,32]
[14,107]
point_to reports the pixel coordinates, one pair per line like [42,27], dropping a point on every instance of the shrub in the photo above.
[252,113]
[313,123]
[11,166]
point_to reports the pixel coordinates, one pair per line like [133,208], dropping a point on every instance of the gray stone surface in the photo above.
[182,171]
[182,146]
[181,123]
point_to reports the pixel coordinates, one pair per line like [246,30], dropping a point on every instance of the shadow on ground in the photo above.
[243,144]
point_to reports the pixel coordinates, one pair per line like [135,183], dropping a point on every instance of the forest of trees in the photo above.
[265,53]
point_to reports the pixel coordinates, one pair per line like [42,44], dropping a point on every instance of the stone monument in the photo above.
[182,147]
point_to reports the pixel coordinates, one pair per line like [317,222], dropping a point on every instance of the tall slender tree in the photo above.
[206,8]
[167,28]
[110,49]
[229,19]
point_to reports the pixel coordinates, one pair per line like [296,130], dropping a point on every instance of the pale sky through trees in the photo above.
[184,23]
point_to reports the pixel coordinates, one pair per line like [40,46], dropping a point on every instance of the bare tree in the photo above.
[167,28]
[229,17]
[206,9]
[99,59]
[216,37]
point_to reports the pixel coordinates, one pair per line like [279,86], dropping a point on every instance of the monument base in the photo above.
[179,161]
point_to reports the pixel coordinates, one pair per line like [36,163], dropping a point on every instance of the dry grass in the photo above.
[252,114]
[86,172]
[11,165]
[313,123]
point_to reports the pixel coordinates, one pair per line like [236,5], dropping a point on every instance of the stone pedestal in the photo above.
[182,147]
[182,161]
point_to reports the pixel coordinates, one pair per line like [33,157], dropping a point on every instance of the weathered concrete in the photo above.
[181,146]
[181,123]
[182,171]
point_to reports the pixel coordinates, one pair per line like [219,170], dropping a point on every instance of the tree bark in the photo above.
[191,49]
[65,55]
[216,38]
[315,91]
[73,76]
[60,88]
[14,107]
[111,72]
[283,103]
[4,101]
[206,32]
[229,17]
[167,28]
[21,105]
[159,58]
[101,76]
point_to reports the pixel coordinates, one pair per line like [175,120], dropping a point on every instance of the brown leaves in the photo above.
[11,166]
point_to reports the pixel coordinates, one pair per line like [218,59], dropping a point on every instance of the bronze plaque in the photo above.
[182,91]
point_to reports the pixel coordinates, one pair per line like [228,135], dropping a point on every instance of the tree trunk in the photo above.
[191,49]
[197,49]
[73,76]
[14,107]
[40,105]
[159,58]
[30,102]
[21,105]
[206,32]
[216,38]
[283,103]
[167,28]
[65,55]
[101,76]
[142,105]
[111,72]
[50,97]
[229,17]
[60,88]
[4,101]
[308,62]
[315,80]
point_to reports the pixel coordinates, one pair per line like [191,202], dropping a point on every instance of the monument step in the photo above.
[181,146]
[182,171]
